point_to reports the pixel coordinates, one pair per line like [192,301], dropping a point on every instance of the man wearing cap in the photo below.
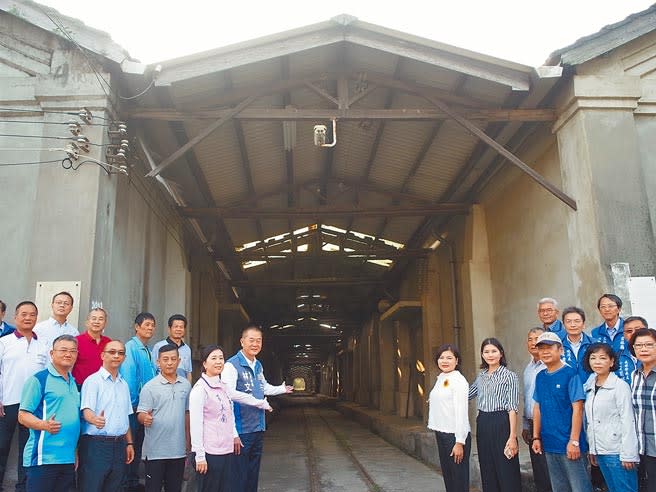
[558,418]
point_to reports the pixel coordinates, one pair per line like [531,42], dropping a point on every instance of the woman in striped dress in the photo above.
[497,396]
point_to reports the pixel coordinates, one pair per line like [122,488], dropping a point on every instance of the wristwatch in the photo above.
[574,443]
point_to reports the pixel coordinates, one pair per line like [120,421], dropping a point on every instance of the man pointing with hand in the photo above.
[49,407]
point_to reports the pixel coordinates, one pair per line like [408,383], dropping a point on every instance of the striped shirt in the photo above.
[643,389]
[496,392]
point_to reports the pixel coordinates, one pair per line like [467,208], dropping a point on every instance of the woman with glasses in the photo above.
[448,416]
[643,389]
[497,394]
[610,425]
[212,423]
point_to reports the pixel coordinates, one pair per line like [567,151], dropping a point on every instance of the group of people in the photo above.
[588,400]
[88,408]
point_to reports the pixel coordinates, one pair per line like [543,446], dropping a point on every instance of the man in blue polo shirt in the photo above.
[137,370]
[50,408]
[611,331]
[558,418]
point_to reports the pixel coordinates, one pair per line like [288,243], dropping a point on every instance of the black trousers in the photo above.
[498,473]
[217,478]
[647,473]
[540,469]
[456,475]
[167,473]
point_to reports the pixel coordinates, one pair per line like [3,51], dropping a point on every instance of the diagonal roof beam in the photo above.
[534,175]
[201,136]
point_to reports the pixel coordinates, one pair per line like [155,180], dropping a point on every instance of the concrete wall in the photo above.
[118,235]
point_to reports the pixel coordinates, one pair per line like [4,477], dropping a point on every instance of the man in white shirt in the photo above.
[21,355]
[57,324]
[535,365]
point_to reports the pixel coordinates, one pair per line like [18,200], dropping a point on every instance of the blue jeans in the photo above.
[617,478]
[246,465]
[102,464]
[8,425]
[53,478]
[568,475]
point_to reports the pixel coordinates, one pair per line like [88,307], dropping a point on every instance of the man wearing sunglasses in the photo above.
[106,446]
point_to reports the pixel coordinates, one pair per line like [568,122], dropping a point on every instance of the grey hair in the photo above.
[535,330]
[548,300]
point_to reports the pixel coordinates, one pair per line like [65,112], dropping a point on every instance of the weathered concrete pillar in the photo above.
[387,367]
[601,168]
[431,305]
[404,368]
[477,284]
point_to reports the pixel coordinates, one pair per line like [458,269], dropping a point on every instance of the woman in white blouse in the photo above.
[448,417]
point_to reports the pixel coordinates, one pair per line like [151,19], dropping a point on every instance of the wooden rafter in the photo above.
[323,212]
[202,135]
[345,114]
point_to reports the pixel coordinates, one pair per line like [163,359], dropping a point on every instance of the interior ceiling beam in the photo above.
[304,282]
[365,254]
[297,114]
[201,136]
[476,131]
[323,212]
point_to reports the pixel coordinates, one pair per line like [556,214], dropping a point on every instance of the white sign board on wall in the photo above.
[43,298]
[643,298]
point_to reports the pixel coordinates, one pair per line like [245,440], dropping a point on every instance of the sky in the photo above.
[521,31]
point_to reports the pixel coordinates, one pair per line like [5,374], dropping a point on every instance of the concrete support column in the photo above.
[404,369]
[478,300]
[601,168]
[431,306]
[387,367]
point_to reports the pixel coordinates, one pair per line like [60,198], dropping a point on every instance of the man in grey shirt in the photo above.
[164,412]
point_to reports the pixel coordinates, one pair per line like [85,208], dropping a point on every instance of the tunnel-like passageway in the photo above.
[312,448]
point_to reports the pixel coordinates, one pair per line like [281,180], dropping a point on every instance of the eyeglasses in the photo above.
[638,346]
[546,311]
[115,352]
[65,351]
[607,306]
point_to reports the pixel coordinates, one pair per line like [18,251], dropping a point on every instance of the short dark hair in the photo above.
[447,347]
[26,303]
[600,347]
[206,351]
[251,326]
[141,317]
[636,318]
[63,293]
[497,344]
[177,317]
[642,332]
[169,347]
[64,338]
[612,297]
[3,306]
[573,309]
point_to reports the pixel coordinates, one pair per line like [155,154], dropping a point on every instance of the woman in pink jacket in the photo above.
[214,437]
